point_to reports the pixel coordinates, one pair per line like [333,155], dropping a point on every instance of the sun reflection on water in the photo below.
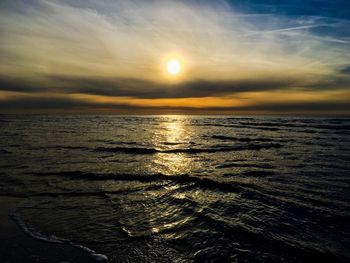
[173,133]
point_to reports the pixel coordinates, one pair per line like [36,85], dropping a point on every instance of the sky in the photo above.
[236,57]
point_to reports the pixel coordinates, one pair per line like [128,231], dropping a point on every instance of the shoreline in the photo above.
[18,246]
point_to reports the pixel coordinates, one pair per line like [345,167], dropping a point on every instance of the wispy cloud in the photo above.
[117,48]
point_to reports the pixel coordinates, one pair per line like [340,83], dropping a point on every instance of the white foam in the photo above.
[30,231]
[100,257]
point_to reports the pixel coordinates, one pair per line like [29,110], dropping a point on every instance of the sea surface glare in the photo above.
[181,188]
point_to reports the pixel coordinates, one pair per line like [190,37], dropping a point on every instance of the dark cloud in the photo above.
[345,70]
[143,88]
[43,103]
[148,90]
[335,82]
[20,85]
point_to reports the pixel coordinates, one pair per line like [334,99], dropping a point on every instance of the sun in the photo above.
[173,67]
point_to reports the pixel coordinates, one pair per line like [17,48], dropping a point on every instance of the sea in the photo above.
[181,188]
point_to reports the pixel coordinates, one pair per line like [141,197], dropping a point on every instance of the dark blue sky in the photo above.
[328,8]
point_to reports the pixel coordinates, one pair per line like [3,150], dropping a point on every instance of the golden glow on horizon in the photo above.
[237,99]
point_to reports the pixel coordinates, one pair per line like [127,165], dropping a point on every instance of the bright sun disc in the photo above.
[173,67]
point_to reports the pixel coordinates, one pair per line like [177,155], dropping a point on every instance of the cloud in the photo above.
[21,85]
[345,70]
[143,88]
[43,103]
[129,39]
[117,49]
[147,89]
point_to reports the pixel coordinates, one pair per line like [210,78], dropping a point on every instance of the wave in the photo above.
[262,241]
[30,231]
[143,150]
[60,147]
[3,151]
[196,181]
[70,193]
[111,142]
[300,203]
[127,150]
[251,190]
[297,125]
[253,173]
[27,229]
[239,126]
[322,129]
[204,182]
[246,165]
[245,139]
[177,143]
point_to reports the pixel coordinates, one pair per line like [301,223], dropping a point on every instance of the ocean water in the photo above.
[181,188]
